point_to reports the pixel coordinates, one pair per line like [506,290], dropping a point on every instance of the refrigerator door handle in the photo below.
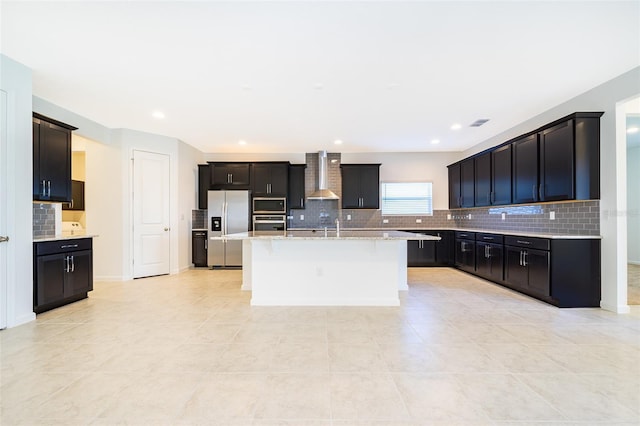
[224,218]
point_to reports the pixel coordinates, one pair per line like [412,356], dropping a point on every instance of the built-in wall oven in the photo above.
[269,206]
[264,222]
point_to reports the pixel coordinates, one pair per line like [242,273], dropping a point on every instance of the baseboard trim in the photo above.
[618,309]
[22,319]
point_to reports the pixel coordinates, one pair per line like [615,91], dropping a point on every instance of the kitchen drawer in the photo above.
[463,235]
[528,242]
[63,246]
[490,238]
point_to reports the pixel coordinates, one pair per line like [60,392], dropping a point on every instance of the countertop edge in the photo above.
[486,231]
[63,237]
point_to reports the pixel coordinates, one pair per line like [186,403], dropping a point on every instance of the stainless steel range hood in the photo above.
[323,192]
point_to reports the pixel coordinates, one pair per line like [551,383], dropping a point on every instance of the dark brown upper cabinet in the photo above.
[230,175]
[360,186]
[51,159]
[270,179]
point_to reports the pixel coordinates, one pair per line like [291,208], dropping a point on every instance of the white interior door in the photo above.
[151,204]
[3,209]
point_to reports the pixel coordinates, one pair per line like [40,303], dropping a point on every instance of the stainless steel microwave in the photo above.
[262,205]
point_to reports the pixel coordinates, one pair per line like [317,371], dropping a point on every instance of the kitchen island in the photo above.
[325,268]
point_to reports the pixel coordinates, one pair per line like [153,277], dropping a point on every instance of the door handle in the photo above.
[166,229]
[4,239]
[66,263]
[520,257]
[73,264]
[524,258]
[48,188]
[206,244]
[301,202]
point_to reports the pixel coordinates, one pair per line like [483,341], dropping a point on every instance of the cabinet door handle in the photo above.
[520,263]
[66,263]
[73,264]
[48,188]
[301,202]
[44,188]
[4,239]
[524,258]
[206,244]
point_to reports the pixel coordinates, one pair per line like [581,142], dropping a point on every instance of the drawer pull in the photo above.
[69,246]
[523,242]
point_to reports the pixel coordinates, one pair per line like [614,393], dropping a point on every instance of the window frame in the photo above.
[382,198]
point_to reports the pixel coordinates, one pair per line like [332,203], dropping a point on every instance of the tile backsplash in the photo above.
[576,218]
[44,220]
[198,219]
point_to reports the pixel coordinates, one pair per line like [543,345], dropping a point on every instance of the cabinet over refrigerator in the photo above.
[228,213]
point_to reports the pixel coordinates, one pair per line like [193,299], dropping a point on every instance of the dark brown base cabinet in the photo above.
[490,257]
[528,269]
[199,248]
[563,272]
[431,253]
[465,251]
[63,272]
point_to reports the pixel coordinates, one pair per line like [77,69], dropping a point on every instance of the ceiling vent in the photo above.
[479,122]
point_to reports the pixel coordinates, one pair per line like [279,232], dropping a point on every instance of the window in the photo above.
[407,198]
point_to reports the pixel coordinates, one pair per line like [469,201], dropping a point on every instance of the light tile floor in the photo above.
[189,349]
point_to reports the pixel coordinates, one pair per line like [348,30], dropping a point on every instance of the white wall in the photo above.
[412,166]
[607,98]
[633,205]
[188,160]
[103,208]
[16,82]
[396,166]
[109,184]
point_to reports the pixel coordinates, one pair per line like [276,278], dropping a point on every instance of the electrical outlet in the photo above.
[418,220]
[552,215]
[301,217]
[504,216]
[385,220]
[348,217]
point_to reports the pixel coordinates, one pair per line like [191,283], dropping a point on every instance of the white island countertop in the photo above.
[330,234]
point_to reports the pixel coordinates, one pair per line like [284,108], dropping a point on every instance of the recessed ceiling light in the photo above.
[456,126]
[159,115]
[435,141]
[242,142]
[337,142]
[633,129]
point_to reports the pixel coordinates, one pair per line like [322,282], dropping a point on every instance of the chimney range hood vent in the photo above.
[323,192]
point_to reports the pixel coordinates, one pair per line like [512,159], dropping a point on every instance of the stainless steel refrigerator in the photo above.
[228,213]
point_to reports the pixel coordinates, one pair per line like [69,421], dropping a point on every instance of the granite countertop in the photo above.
[331,234]
[486,231]
[64,236]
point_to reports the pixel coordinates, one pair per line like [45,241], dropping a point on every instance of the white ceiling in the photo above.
[295,76]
